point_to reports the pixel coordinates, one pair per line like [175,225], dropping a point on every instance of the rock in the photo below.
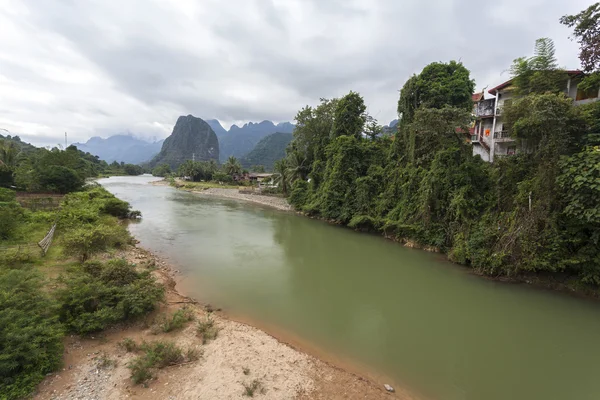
[388,388]
[191,138]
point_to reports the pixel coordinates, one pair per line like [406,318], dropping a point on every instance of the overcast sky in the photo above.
[98,68]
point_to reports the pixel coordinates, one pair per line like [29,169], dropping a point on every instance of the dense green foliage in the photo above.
[96,295]
[59,171]
[424,185]
[35,312]
[270,149]
[161,170]
[30,333]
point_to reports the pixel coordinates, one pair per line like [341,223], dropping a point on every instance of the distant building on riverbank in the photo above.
[489,135]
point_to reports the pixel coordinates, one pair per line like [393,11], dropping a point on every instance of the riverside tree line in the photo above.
[536,212]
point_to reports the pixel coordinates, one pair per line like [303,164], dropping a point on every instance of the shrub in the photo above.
[116,207]
[129,345]
[7,195]
[57,178]
[207,329]
[299,193]
[95,296]
[177,320]
[90,239]
[158,354]
[11,214]
[30,333]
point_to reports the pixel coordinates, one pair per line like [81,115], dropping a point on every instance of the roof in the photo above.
[261,175]
[493,91]
[477,97]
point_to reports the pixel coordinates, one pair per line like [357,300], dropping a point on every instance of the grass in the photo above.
[207,329]
[176,321]
[129,345]
[253,387]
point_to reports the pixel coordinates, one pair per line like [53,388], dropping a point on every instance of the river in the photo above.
[405,313]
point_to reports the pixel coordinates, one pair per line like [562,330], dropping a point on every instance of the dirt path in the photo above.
[95,368]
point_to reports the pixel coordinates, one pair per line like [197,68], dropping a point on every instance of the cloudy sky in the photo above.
[101,67]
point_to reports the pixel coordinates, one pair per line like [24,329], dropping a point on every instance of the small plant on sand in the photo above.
[246,370]
[193,354]
[176,321]
[158,354]
[252,388]
[207,329]
[129,345]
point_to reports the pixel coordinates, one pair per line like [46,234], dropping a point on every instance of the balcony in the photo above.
[502,136]
[485,108]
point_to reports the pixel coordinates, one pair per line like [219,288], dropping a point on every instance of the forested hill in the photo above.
[239,141]
[270,149]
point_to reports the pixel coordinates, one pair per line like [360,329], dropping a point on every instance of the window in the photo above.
[511,150]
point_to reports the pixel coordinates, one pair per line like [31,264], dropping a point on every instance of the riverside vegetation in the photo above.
[423,184]
[68,291]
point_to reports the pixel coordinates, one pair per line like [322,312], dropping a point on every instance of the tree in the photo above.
[257,168]
[232,166]
[438,85]
[282,178]
[161,170]
[586,26]
[59,179]
[539,73]
[349,117]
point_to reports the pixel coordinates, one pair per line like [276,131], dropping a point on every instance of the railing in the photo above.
[504,134]
[474,138]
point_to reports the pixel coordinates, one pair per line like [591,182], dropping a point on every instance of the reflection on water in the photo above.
[404,312]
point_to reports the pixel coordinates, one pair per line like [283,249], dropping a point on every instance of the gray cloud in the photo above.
[103,67]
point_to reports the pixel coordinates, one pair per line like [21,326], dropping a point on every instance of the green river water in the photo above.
[420,320]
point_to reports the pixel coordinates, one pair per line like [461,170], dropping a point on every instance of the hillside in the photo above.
[192,138]
[121,148]
[270,149]
[240,141]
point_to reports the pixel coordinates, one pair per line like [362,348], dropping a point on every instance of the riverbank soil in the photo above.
[279,203]
[240,357]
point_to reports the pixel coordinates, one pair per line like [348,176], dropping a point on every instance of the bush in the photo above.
[222,177]
[56,178]
[177,321]
[116,208]
[299,193]
[129,345]
[90,239]
[207,329]
[157,355]
[30,334]
[95,296]
[10,215]
[7,195]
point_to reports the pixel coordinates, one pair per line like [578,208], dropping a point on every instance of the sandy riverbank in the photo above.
[239,355]
[279,203]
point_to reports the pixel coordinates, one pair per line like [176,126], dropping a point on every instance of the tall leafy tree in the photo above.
[586,31]
[349,116]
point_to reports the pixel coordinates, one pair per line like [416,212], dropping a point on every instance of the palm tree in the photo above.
[295,166]
[232,166]
[282,175]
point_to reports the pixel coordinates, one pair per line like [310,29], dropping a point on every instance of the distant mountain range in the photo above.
[270,149]
[119,148]
[239,141]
